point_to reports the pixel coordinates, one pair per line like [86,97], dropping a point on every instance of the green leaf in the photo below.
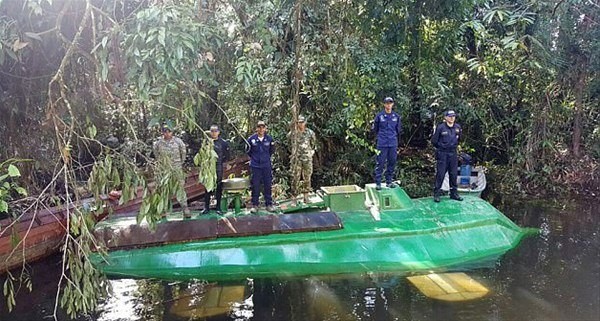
[104,71]
[197,159]
[160,206]
[161,36]
[3,206]
[154,121]
[21,191]
[179,52]
[13,171]
[92,131]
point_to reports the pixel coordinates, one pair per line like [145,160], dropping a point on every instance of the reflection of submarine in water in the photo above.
[326,295]
[323,303]
[321,298]
[199,301]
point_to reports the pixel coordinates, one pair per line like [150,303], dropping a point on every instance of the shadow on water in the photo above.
[552,276]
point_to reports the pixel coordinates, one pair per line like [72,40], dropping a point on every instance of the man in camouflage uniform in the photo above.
[170,151]
[302,167]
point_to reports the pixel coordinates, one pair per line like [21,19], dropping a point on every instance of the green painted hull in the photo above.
[416,235]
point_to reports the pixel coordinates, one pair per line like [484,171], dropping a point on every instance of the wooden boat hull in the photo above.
[43,230]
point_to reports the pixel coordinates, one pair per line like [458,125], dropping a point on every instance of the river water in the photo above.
[552,276]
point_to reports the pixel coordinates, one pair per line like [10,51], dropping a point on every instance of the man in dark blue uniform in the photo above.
[260,148]
[387,127]
[222,149]
[445,140]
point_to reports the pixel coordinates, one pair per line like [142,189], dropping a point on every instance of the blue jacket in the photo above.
[446,138]
[260,152]
[388,128]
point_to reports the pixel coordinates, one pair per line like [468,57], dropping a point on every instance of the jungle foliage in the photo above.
[84,84]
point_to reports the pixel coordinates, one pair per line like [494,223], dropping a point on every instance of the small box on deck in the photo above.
[344,197]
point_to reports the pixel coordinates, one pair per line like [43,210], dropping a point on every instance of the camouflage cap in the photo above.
[166,127]
[301,119]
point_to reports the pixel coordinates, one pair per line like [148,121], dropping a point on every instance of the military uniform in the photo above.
[445,139]
[388,128]
[173,148]
[222,149]
[173,153]
[302,168]
[260,151]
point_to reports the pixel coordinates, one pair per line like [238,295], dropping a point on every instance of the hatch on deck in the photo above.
[388,198]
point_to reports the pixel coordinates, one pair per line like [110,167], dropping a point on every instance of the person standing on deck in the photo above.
[222,149]
[302,168]
[171,151]
[387,128]
[445,140]
[260,148]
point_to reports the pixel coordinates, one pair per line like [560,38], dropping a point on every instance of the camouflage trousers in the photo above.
[301,176]
[182,197]
[179,193]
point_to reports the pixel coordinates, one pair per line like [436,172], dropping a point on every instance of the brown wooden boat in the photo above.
[41,231]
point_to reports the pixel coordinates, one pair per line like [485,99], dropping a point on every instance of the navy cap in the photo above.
[388,100]
[214,128]
[449,113]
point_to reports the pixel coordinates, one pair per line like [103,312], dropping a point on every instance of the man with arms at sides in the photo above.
[387,128]
[445,140]
[170,151]
[260,148]
[302,166]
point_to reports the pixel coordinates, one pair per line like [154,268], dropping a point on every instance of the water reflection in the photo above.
[199,300]
[554,276]
[121,303]
[133,300]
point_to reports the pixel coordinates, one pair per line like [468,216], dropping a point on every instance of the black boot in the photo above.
[436,196]
[206,211]
[454,195]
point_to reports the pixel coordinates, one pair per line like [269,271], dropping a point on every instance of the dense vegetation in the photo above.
[88,81]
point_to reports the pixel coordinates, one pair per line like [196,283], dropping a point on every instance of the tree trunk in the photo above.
[416,129]
[581,70]
[579,93]
[296,79]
